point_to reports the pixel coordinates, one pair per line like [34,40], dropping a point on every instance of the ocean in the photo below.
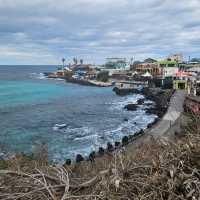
[31,105]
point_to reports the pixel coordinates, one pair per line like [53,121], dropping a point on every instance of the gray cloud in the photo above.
[43,31]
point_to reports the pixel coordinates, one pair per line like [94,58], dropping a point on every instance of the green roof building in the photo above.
[168,63]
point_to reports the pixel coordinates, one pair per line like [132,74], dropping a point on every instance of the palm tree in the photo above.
[63,61]
[75,61]
[131,60]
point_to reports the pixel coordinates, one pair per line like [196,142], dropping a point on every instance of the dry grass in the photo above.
[160,169]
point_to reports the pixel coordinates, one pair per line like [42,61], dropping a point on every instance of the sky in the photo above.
[44,31]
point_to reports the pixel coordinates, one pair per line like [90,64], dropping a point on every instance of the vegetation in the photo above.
[158,169]
[103,76]
[75,60]
[63,61]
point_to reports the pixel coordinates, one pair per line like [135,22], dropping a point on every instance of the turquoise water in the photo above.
[30,106]
[14,93]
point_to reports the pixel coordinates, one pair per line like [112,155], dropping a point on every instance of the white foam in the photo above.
[38,76]
[95,136]
[130,99]
[88,139]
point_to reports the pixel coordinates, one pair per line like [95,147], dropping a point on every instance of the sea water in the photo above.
[31,105]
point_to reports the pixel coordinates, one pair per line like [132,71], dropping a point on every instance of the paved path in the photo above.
[164,125]
[173,113]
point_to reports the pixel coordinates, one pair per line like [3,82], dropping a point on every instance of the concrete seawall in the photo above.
[167,125]
[88,82]
[172,117]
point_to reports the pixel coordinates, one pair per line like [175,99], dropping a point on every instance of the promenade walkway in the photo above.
[173,114]
[167,125]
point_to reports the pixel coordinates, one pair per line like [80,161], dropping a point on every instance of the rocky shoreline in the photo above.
[161,99]
[124,92]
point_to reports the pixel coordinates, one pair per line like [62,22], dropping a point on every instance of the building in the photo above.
[80,67]
[180,84]
[152,68]
[92,74]
[192,104]
[121,75]
[116,65]
[149,65]
[195,70]
[185,81]
[150,60]
[131,84]
[168,68]
[170,65]
[127,87]
[176,57]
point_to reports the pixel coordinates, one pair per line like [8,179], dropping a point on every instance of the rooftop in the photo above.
[167,62]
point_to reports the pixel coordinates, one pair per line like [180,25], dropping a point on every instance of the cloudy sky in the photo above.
[44,31]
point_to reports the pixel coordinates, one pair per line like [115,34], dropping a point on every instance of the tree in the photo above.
[103,76]
[63,61]
[131,61]
[75,61]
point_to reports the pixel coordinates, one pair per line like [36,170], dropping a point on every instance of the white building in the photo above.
[176,57]
[169,71]
[116,65]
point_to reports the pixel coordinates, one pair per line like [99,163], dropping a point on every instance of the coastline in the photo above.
[161,98]
[145,166]
[133,142]
[126,140]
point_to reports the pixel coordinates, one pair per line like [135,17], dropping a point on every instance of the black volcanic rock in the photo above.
[151,111]
[110,147]
[136,134]
[101,151]
[141,132]
[79,158]
[68,162]
[149,125]
[124,92]
[125,140]
[92,156]
[125,119]
[140,101]
[161,99]
[159,111]
[148,104]
[117,144]
[131,137]
[131,107]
